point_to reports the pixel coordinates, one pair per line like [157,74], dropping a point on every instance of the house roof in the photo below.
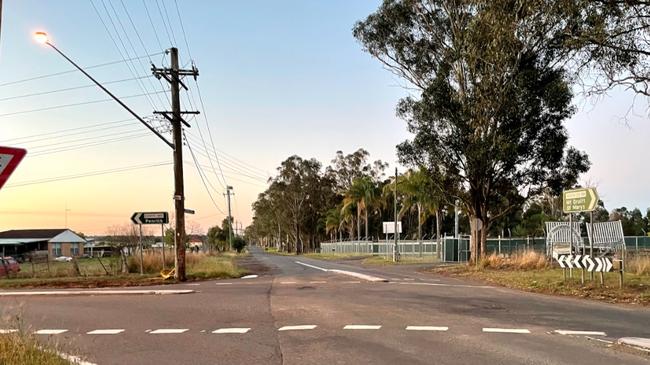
[35,235]
[45,234]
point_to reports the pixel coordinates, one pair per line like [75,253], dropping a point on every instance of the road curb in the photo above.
[638,343]
[92,292]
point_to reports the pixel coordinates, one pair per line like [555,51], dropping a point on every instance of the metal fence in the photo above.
[458,249]
[406,248]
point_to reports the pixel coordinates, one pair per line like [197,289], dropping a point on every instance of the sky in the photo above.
[276,79]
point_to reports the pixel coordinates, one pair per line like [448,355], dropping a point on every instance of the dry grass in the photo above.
[199,265]
[20,348]
[639,265]
[524,260]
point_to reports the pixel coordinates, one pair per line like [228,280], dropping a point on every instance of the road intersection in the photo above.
[315,312]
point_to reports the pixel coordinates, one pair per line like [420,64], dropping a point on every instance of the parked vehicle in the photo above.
[63,259]
[8,265]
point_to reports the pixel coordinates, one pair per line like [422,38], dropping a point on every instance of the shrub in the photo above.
[523,260]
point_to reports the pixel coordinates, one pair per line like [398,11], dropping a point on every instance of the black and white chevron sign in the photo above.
[598,264]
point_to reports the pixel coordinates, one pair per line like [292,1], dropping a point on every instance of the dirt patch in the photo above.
[253,266]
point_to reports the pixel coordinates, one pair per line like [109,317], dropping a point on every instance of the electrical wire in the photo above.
[75,104]
[86,145]
[68,130]
[71,88]
[180,20]
[155,31]
[86,174]
[75,70]
[199,170]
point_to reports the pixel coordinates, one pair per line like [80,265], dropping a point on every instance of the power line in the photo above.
[199,170]
[75,104]
[155,31]
[69,130]
[86,145]
[237,165]
[180,20]
[164,23]
[86,139]
[86,174]
[75,70]
[170,22]
[243,173]
[71,88]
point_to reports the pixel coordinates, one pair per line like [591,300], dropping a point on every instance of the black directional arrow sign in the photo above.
[150,218]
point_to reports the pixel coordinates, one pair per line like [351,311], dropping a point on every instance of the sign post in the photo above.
[141,218]
[9,160]
[577,201]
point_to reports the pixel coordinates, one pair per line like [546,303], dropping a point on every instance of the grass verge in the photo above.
[199,266]
[404,260]
[336,256]
[551,281]
[19,348]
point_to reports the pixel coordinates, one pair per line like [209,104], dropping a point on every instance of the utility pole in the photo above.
[396,249]
[456,220]
[173,76]
[228,193]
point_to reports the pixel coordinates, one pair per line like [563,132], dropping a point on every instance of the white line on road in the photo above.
[168,331]
[580,333]
[351,282]
[361,327]
[193,284]
[232,330]
[506,330]
[105,332]
[298,328]
[312,266]
[93,292]
[50,332]
[450,285]
[249,277]
[426,328]
[223,283]
[359,275]
[6,331]
[287,282]
[318,282]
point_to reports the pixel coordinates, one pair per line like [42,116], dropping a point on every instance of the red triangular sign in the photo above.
[9,160]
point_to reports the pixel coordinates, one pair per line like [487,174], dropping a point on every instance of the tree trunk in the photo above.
[420,228]
[358,224]
[365,212]
[438,238]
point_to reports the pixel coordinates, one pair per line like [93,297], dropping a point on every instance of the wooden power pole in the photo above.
[175,117]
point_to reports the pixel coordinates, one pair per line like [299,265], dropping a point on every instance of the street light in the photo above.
[41,37]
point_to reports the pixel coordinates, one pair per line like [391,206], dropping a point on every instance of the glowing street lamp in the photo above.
[41,37]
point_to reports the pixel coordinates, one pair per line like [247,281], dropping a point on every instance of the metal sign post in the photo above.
[162,240]
[141,218]
[141,253]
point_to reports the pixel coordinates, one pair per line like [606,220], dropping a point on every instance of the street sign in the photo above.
[190,211]
[150,218]
[579,200]
[9,160]
[597,264]
[389,227]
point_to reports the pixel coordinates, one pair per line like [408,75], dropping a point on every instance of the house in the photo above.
[58,242]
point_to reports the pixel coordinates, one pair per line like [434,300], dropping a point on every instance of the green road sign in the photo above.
[579,200]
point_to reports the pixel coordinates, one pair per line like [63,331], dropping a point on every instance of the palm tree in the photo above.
[362,194]
[418,193]
[333,222]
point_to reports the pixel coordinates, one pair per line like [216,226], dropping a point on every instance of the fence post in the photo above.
[637,244]
[499,245]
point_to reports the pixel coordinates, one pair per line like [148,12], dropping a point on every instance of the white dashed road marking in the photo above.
[50,332]
[232,330]
[361,327]
[351,282]
[318,282]
[287,282]
[223,283]
[580,333]
[193,284]
[105,332]
[426,328]
[6,331]
[298,328]
[506,330]
[249,277]
[168,331]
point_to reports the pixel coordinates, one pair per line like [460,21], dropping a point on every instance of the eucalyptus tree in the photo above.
[490,100]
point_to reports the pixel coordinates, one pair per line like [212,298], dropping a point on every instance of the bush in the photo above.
[524,260]
[239,243]
[639,265]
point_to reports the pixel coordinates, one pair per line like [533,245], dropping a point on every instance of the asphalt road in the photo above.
[299,312]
